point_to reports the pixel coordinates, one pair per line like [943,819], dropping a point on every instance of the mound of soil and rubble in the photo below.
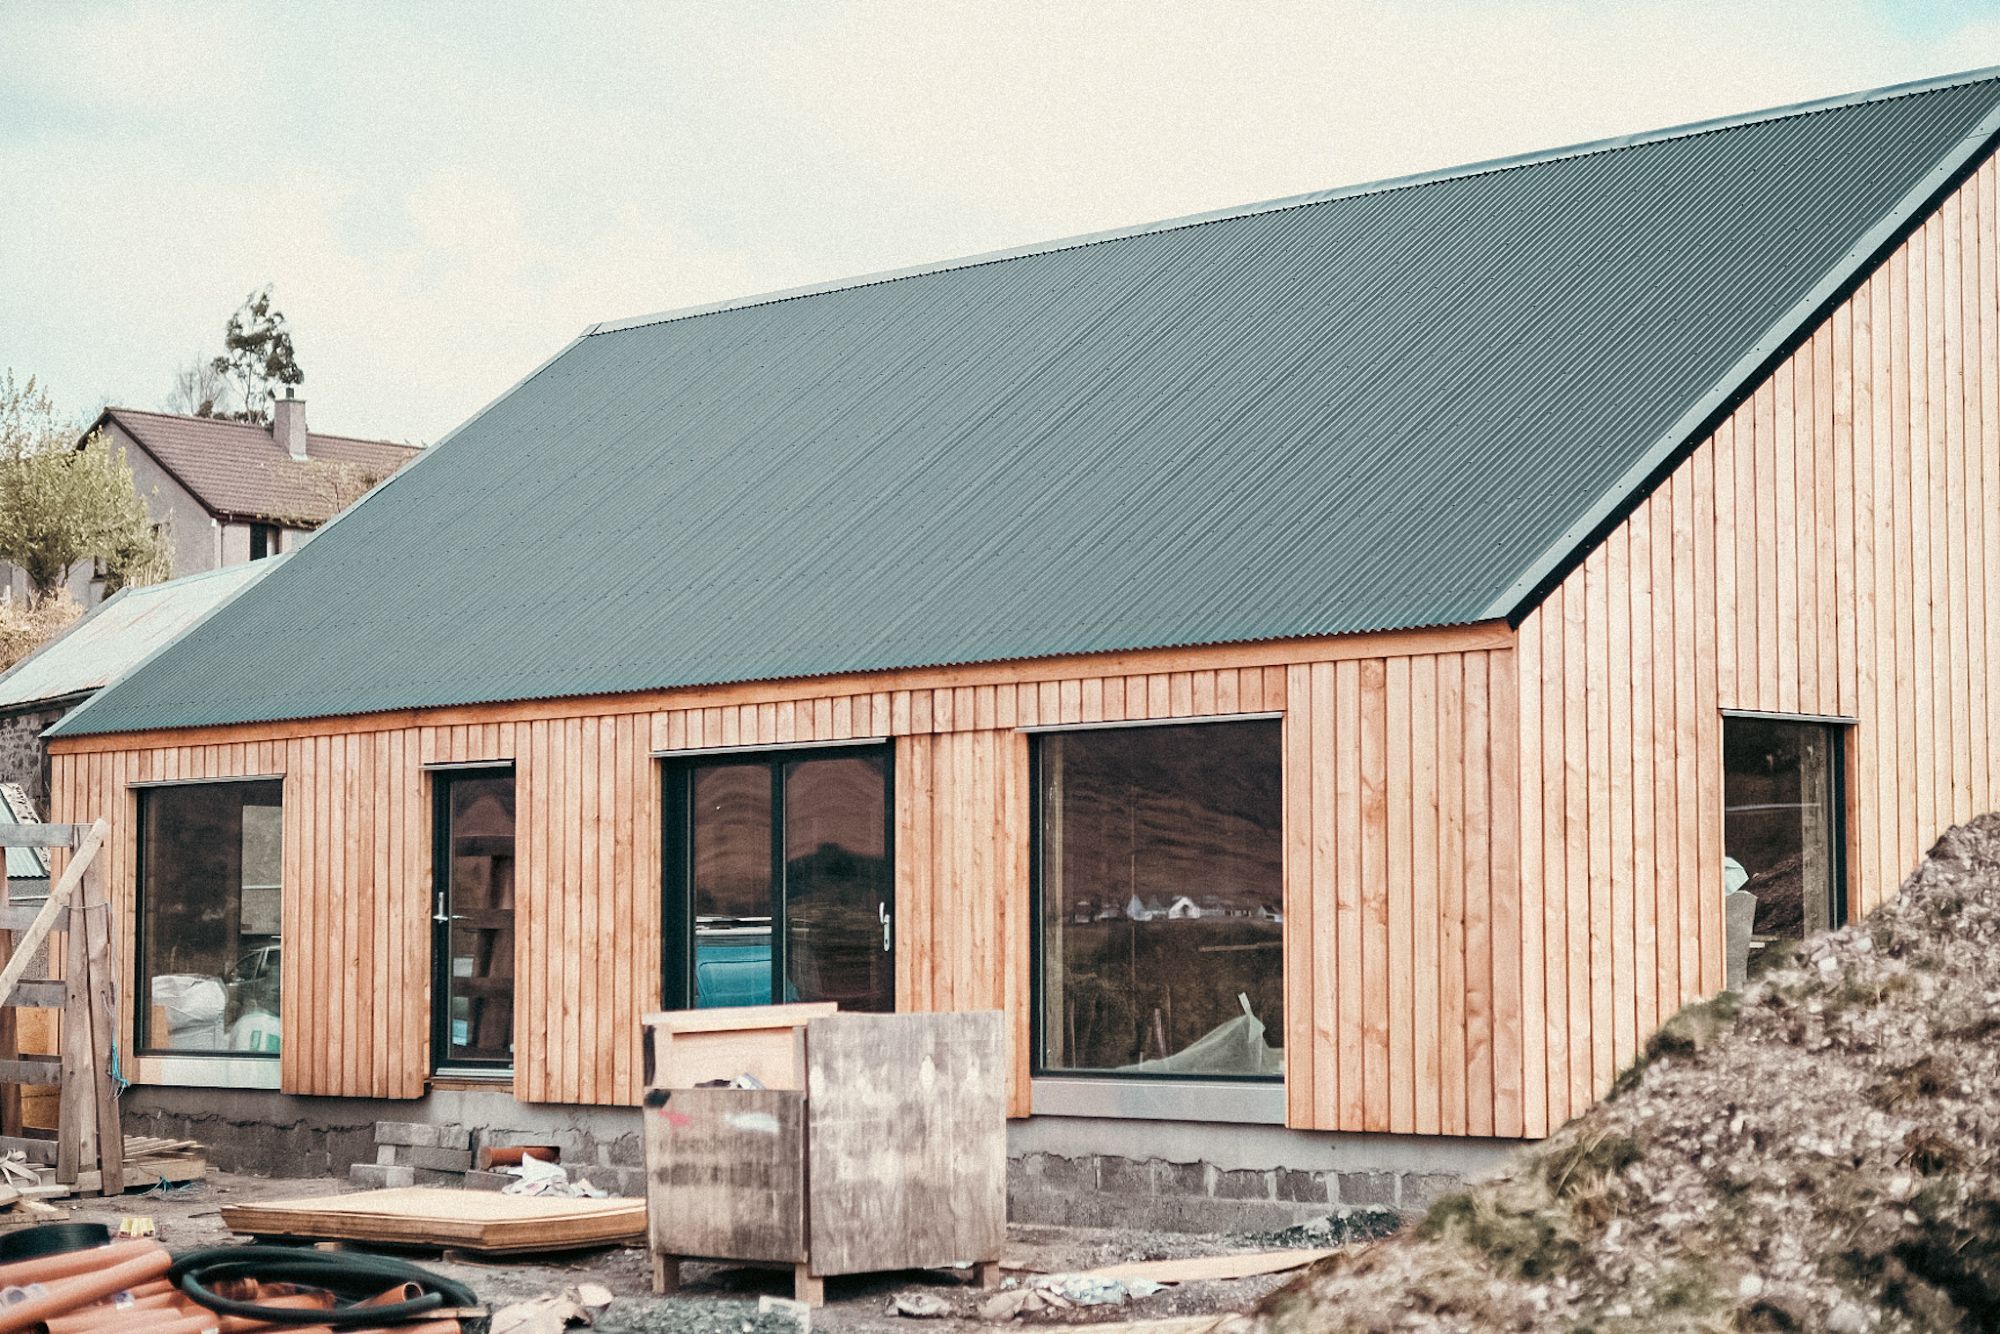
[1817,1152]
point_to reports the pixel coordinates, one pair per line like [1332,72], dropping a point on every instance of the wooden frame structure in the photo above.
[1500,839]
[89,1144]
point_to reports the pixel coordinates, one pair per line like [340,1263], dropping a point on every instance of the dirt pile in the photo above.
[1818,1152]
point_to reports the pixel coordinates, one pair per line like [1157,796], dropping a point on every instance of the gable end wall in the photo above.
[1833,548]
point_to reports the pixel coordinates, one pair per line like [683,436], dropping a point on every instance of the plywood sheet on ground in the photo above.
[462,1219]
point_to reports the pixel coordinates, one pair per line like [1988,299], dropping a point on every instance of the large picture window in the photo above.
[1781,835]
[211,936]
[1160,897]
[779,881]
[473,914]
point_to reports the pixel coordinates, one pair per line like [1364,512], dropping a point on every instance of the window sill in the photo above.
[478,1080]
[1244,1103]
[222,1072]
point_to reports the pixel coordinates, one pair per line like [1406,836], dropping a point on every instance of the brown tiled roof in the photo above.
[238,471]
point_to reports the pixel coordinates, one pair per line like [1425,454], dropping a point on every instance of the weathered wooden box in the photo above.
[878,1142]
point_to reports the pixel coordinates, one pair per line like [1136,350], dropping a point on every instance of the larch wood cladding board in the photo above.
[1403,1004]
[1834,549]
[358,841]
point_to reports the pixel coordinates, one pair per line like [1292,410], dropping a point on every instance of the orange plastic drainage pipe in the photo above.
[42,1268]
[63,1295]
[107,1314]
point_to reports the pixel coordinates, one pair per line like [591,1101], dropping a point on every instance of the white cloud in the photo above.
[443,195]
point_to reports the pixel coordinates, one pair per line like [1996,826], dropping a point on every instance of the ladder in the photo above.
[89,1146]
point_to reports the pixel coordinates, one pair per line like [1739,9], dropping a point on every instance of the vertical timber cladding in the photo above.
[1834,549]
[1418,728]
[1403,936]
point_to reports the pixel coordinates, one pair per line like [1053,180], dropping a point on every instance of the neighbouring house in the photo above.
[227,492]
[1450,575]
[103,644]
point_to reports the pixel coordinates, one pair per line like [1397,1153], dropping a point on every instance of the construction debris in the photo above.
[540,1176]
[1210,1268]
[553,1313]
[31,1167]
[919,1306]
[485,1222]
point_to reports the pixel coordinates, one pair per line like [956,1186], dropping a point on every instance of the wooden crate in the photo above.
[878,1143]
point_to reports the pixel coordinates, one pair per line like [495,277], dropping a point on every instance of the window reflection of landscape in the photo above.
[1161,900]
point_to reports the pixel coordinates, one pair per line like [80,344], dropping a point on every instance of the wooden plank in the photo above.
[1533,959]
[1672,551]
[474,1220]
[1650,529]
[1451,859]
[906,1175]
[99,988]
[1479,868]
[1348,872]
[725,1173]
[1699,634]
[58,902]
[1597,707]
[1374,894]
[1311,1083]
[37,1070]
[1504,901]
[1424,904]
[42,835]
[20,917]
[1399,938]
[1549,776]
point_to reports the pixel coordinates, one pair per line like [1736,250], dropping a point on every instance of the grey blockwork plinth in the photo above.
[1109,1190]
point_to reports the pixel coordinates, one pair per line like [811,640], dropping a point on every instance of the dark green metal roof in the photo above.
[1403,404]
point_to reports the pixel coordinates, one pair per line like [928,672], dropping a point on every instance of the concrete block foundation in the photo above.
[1075,1171]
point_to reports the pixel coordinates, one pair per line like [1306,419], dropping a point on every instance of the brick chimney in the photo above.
[288,424]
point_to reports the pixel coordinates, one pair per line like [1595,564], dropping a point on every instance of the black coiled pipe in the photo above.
[350,1276]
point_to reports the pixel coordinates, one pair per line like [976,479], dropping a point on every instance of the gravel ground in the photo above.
[725,1298]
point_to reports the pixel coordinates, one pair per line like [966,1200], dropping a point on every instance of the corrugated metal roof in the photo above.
[1383,407]
[27,868]
[119,632]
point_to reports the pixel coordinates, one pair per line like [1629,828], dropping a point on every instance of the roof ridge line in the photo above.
[1383,185]
[111,409]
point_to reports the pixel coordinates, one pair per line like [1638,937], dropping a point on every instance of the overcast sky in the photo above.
[443,195]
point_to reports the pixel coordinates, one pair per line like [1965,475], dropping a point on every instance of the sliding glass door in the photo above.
[779,880]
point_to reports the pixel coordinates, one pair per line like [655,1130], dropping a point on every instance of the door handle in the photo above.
[882,911]
[440,915]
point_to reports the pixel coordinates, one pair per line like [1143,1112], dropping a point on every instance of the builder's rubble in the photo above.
[552,1313]
[1820,1151]
[539,1176]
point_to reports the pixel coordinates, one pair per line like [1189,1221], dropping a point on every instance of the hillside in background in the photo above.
[1817,1152]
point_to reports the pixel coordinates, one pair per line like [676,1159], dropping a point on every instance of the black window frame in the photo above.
[1037,974]
[1836,730]
[677,973]
[441,783]
[141,976]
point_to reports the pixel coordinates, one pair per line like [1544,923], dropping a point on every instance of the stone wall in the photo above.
[23,758]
